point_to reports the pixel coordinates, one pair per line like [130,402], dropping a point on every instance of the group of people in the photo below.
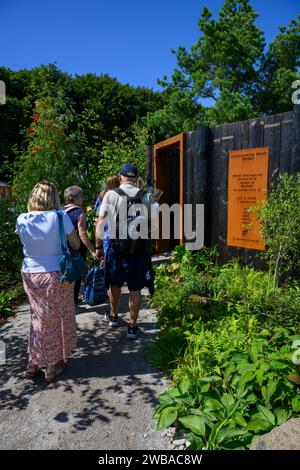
[52,337]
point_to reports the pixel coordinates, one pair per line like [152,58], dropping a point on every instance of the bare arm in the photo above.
[73,240]
[83,235]
[100,230]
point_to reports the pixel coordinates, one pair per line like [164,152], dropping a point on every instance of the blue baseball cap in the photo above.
[129,169]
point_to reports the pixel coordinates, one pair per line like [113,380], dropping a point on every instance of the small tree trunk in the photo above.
[276,268]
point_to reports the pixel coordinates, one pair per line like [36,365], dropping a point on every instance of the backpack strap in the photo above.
[72,209]
[139,195]
[120,192]
[62,234]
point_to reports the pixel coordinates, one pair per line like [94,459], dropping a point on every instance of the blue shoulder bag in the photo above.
[94,289]
[72,266]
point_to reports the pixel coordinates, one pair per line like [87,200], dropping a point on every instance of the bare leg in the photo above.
[134,306]
[114,298]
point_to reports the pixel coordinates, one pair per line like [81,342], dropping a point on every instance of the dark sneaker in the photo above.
[132,332]
[112,319]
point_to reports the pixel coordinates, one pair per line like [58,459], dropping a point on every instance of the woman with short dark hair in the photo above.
[73,197]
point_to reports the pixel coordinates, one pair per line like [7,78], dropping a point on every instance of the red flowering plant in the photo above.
[53,151]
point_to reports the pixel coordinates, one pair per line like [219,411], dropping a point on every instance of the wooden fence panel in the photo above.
[295,150]
[207,165]
[214,184]
[286,142]
[227,144]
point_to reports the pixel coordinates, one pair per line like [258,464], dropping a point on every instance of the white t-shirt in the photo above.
[39,234]
[112,202]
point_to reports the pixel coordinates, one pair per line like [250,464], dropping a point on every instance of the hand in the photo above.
[99,253]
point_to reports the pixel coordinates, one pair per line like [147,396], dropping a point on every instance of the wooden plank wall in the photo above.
[197,173]
[207,164]
[280,133]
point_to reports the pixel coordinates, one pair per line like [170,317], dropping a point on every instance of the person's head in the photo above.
[73,195]
[128,173]
[112,182]
[43,197]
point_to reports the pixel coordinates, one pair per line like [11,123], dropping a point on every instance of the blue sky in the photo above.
[128,39]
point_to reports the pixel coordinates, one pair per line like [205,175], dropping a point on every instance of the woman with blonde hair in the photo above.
[53,326]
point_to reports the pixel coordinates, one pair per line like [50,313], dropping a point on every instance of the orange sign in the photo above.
[247,183]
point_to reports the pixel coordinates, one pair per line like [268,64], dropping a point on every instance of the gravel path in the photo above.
[104,400]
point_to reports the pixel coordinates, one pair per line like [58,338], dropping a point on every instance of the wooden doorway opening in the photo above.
[169,165]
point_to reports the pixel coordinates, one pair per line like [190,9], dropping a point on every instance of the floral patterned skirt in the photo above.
[52,335]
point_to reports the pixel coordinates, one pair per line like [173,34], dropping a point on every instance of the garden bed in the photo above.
[231,350]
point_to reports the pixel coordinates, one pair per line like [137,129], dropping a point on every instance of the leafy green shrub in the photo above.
[235,283]
[253,392]
[180,284]
[168,346]
[279,223]
[10,246]
[123,149]
[55,151]
[173,296]
[210,344]
[8,299]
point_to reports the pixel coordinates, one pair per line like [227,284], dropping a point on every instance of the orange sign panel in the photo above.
[247,184]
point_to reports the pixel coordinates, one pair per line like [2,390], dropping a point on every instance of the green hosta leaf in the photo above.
[271,388]
[296,404]
[264,367]
[251,399]
[159,410]
[173,392]
[278,364]
[239,419]
[206,416]
[184,386]
[211,443]
[257,425]
[204,388]
[187,399]
[212,378]
[167,417]
[253,353]
[260,377]
[232,409]
[228,372]
[264,393]
[165,400]
[195,423]
[235,380]
[227,400]
[229,434]
[240,358]
[282,415]
[247,377]
[241,392]
[267,414]
[246,367]
[213,404]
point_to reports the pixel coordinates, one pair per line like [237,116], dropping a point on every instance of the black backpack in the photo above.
[129,246]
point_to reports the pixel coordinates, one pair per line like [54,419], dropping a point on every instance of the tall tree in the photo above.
[223,64]
[229,69]
[280,68]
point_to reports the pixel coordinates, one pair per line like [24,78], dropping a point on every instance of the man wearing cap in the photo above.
[136,270]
